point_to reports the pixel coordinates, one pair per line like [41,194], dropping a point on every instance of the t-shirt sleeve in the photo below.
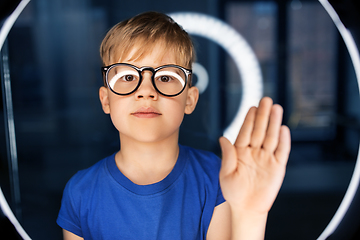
[68,217]
[220,198]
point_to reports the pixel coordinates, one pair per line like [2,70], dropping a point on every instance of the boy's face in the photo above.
[146,115]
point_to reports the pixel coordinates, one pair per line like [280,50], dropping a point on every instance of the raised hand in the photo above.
[253,168]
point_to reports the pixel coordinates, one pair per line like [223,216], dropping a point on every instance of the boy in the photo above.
[153,188]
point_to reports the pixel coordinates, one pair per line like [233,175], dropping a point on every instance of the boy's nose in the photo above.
[146,89]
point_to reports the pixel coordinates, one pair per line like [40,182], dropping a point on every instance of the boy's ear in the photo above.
[192,99]
[104,99]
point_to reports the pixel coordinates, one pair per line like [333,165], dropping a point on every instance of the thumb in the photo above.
[229,157]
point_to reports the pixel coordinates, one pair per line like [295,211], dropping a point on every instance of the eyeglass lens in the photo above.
[124,79]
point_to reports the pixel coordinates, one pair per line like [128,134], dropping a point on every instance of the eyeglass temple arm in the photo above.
[103,71]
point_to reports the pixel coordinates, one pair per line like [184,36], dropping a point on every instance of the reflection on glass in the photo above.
[311,68]
[60,127]
[256,22]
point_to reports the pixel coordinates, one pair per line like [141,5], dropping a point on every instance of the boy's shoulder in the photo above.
[206,159]
[83,178]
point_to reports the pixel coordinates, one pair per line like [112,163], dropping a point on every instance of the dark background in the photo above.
[60,127]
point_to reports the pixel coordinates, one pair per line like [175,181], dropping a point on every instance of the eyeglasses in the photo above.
[124,79]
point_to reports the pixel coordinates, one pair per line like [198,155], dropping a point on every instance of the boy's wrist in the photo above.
[247,211]
[248,224]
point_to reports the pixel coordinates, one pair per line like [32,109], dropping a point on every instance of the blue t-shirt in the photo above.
[101,203]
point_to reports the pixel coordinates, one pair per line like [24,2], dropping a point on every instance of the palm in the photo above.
[253,168]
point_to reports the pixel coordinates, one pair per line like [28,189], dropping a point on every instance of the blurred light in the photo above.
[296,4]
[202,77]
[240,51]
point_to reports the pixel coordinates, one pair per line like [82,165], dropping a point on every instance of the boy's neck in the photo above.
[147,163]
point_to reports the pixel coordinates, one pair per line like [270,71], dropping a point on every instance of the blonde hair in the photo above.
[145,31]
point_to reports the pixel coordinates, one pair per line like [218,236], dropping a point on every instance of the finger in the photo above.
[272,135]
[229,157]
[283,150]
[244,136]
[261,122]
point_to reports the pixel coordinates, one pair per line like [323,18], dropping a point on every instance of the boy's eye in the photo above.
[129,78]
[170,76]
[165,79]
[127,75]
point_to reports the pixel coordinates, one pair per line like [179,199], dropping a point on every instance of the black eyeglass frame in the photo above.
[105,70]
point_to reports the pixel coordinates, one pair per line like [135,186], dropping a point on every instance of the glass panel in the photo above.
[257,23]
[60,127]
[312,71]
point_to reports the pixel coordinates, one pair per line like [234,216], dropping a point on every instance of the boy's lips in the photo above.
[146,112]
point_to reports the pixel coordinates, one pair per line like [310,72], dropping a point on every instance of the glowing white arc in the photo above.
[354,183]
[240,51]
